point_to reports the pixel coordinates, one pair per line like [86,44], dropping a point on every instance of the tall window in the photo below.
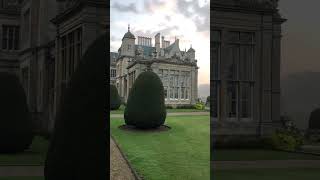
[113,73]
[10,37]
[78,44]
[26,25]
[164,76]
[238,74]
[215,75]
[64,57]
[71,52]
[176,83]
[184,84]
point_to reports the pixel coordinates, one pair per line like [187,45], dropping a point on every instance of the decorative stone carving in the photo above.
[139,51]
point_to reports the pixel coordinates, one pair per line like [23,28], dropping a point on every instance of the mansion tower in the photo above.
[177,69]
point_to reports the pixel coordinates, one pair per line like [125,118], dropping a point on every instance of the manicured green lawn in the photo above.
[34,156]
[180,153]
[186,110]
[258,154]
[121,110]
[21,178]
[267,174]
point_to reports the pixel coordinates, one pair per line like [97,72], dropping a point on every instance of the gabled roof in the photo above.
[172,47]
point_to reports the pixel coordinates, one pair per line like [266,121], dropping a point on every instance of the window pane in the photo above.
[172,93]
[187,93]
[232,58]
[215,61]
[216,36]
[245,100]
[4,37]
[214,102]
[16,38]
[11,33]
[232,99]
[246,56]
[176,93]
[246,37]
[165,92]
[232,37]
[182,93]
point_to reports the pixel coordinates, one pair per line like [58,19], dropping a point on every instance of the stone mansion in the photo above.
[42,42]
[177,69]
[245,68]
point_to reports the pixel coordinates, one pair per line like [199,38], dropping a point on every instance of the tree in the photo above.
[16,124]
[78,148]
[145,106]
[115,101]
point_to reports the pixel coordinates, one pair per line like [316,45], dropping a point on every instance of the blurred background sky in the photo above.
[187,20]
[301,39]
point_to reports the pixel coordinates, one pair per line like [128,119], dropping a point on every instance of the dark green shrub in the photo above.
[16,123]
[145,106]
[169,107]
[285,139]
[314,120]
[115,101]
[78,146]
[199,106]
[187,106]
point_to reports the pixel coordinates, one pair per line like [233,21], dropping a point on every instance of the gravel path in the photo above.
[224,165]
[119,169]
[171,114]
[21,171]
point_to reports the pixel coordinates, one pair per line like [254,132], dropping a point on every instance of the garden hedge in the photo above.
[15,119]
[115,101]
[314,120]
[78,147]
[146,105]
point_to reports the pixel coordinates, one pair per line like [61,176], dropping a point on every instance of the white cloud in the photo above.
[171,21]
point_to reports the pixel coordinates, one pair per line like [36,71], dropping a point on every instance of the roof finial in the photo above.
[190,45]
[128,27]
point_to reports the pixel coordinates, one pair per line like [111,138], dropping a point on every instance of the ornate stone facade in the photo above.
[51,38]
[177,69]
[245,68]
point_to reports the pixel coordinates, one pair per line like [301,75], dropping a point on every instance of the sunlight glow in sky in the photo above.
[187,20]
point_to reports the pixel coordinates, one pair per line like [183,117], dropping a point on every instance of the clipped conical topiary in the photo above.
[145,106]
[115,101]
[314,120]
[78,147]
[15,120]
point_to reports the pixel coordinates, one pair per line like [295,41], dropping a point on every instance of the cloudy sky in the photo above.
[187,20]
[300,41]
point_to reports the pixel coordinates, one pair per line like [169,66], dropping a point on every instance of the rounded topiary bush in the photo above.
[78,146]
[145,106]
[314,120]
[16,124]
[115,101]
